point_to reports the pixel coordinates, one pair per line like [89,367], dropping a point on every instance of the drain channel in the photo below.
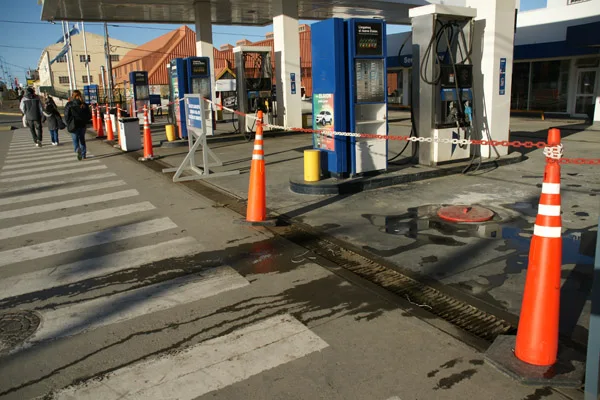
[460,314]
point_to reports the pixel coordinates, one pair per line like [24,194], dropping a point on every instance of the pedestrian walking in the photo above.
[77,115]
[54,119]
[31,107]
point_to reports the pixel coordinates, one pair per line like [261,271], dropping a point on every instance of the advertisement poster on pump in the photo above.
[323,120]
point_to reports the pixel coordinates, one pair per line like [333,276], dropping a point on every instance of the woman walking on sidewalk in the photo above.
[77,115]
[54,119]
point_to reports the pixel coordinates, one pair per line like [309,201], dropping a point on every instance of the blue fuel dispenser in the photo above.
[141,94]
[349,94]
[187,76]
[177,88]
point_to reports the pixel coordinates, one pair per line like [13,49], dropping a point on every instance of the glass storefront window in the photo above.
[549,85]
[520,86]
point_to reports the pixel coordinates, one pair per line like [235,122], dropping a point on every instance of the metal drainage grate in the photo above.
[16,327]
[463,315]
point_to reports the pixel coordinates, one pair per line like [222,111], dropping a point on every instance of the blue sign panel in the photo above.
[194,112]
[293,77]
[502,76]
[293,87]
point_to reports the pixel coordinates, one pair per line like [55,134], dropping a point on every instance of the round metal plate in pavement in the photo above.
[463,213]
[16,327]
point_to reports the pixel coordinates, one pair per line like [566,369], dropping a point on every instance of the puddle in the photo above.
[423,225]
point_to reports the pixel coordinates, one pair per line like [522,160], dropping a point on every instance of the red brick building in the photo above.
[180,43]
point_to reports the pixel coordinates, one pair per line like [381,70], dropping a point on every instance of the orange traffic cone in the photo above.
[256,211]
[148,154]
[109,129]
[94,122]
[537,334]
[100,131]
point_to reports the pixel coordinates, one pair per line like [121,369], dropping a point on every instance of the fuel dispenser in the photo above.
[349,94]
[90,94]
[141,94]
[198,81]
[187,76]
[254,81]
[442,95]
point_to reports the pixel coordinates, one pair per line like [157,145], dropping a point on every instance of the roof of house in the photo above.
[155,54]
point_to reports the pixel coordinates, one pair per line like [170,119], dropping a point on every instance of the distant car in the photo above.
[324,118]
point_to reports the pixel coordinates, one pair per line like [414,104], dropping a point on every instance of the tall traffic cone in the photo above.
[537,334]
[100,134]
[110,135]
[256,211]
[94,121]
[148,153]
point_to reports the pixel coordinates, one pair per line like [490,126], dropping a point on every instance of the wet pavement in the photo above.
[486,262]
[174,298]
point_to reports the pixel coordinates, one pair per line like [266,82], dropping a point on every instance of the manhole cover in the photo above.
[15,327]
[463,213]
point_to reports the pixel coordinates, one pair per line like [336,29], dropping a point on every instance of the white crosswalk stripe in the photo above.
[53,174]
[86,240]
[119,262]
[49,184]
[65,165]
[92,314]
[206,367]
[38,163]
[77,219]
[63,205]
[11,160]
[94,267]
[59,192]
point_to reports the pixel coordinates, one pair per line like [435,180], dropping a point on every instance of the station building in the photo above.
[156,54]
[556,66]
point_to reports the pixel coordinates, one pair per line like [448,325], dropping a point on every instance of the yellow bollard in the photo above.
[312,165]
[170,129]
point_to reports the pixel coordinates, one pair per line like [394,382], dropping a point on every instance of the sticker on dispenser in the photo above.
[323,121]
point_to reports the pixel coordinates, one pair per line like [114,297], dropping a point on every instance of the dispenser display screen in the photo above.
[369,39]
[370,81]
[142,92]
[201,86]
[199,67]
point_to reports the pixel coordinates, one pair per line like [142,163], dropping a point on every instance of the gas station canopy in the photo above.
[223,12]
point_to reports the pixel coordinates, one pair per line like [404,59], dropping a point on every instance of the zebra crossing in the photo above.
[57,215]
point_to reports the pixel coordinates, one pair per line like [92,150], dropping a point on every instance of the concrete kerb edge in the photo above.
[299,186]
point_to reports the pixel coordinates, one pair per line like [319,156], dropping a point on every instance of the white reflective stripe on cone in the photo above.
[257,157]
[547,231]
[550,188]
[548,210]
[258,147]
[258,137]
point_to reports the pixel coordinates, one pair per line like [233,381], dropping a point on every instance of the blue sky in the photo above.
[22,42]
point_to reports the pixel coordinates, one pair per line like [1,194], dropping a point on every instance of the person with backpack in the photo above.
[77,115]
[31,107]
[54,119]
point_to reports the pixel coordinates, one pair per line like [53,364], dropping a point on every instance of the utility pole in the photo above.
[111,83]
[67,59]
[71,58]
[87,61]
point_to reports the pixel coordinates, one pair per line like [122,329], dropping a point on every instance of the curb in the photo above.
[355,185]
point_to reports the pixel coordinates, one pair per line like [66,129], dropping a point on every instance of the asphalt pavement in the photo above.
[117,283]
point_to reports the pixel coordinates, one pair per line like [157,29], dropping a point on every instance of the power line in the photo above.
[126,26]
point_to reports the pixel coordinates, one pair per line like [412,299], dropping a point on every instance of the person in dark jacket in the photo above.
[53,117]
[31,107]
[77,115]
